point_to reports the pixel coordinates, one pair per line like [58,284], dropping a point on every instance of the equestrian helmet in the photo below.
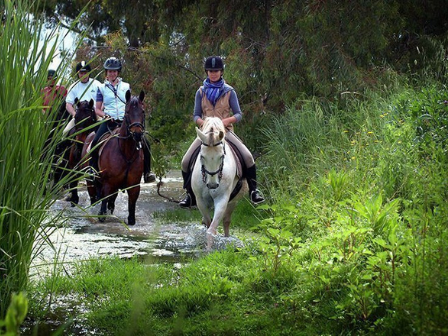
[52,73]
[112,63]
[214,63]
[83,66]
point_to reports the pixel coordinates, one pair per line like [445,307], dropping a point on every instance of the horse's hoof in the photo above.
[131,222]
[101,217]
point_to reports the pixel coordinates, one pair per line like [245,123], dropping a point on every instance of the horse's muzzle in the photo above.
[137,136]
[212,185]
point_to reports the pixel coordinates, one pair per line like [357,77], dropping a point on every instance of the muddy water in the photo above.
[80,236]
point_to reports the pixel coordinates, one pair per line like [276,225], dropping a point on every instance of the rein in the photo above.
[221,166]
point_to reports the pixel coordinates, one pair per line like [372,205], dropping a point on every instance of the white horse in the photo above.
[214,177]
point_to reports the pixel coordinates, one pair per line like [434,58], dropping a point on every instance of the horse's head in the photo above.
[213,151]
[134,115]
[85,114]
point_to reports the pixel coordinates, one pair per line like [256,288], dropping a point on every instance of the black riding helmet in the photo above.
[214,63]
[52,73]
[112,63]
[83,66]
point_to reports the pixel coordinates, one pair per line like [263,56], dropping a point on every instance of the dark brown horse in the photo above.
[121,161]
[85,118]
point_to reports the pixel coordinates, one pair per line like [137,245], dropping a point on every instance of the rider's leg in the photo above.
[94,152]
[147,175]
[250,170]
[190,199]
[256,196]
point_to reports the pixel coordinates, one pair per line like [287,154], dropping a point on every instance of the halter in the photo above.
[221,166]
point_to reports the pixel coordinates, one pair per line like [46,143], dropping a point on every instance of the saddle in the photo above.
[104,139]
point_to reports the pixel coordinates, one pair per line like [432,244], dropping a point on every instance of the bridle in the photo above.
[134,124]
[204,171]
[130,125]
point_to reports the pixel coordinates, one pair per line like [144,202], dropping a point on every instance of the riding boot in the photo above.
[255,195]
[93,163]
[148,177]
[190,199]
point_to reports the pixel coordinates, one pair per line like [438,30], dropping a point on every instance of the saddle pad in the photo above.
[236,154]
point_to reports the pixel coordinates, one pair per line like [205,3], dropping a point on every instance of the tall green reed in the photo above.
[25,167]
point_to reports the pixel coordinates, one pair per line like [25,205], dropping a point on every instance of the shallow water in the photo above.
[79,235]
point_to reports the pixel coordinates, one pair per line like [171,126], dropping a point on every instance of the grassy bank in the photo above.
[353,241]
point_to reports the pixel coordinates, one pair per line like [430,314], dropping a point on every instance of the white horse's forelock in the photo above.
[213,124]
[215,130]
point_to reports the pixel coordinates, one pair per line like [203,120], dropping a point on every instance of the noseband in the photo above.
[204,171]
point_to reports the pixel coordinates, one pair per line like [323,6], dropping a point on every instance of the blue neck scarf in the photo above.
[213,90]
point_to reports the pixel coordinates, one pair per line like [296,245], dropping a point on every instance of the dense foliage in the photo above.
[353,243]
[276,50]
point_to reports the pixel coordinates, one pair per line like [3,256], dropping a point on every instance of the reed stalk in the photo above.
[25,167]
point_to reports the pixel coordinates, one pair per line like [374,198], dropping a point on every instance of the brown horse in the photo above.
[120,160]
[85,118]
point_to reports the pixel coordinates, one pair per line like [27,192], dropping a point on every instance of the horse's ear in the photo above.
[141,96]
[128,95]
[76,101]
[201,135]
[91,102]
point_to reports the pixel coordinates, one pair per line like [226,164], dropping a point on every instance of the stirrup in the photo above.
[91,173]
[256,197]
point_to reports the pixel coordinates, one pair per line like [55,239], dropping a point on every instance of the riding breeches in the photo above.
[230,137]
[104,128]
